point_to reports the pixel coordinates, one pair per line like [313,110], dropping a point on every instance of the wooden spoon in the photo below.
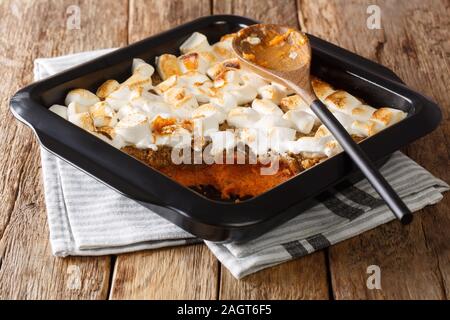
[283,55]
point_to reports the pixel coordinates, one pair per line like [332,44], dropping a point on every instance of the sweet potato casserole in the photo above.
[212,126]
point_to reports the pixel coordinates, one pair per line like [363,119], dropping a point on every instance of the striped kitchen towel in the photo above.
[87,218]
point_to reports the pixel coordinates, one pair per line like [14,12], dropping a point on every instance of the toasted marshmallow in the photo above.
[119,97]
[242,117]
[257,140]
[272,92]
[388,116]
[167,65]
[344,119]
[82,97]
[135,129]
[138,81]
[226,101]
[365,129]
[223,50]
[253,79]
[110,136]
[59,110]
[321,89]
[193,61]
[331,148]
[362,112]
[75,107]
[217,69]
[103,115]
[108,87]
[266,107]
[82,120]
[303,121]
[143,68]
[294,102]
[181,102]
[205,125]
[314,146]
[244,94]
[222,140]
[268,121]
[279,136]
[342,101]
[179,138]
[125,111]
[148,103]
[197,84]
[207,110]
[322,132]
[196,42]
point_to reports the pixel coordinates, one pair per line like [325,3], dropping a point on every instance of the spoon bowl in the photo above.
[282,54]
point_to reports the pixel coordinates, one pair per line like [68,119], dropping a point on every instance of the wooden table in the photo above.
[414,260]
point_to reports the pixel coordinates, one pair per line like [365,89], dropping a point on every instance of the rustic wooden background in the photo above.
[414,260]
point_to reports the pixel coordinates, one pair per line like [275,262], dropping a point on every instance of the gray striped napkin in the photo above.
[87,218]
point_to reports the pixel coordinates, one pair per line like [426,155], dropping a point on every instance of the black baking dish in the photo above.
[210,219]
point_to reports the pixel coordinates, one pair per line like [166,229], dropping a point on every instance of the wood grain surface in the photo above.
[414,260]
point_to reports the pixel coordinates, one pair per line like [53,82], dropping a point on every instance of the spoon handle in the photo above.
[358,156]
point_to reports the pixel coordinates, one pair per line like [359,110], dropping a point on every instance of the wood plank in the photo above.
[27,268]
[304,278]
[171,273]
[414,260]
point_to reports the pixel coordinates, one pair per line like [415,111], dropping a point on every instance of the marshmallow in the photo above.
[197,84]
[138,81]
[179,138]
[196,42]
[82,97]
[205,125]
[108,87]
[266,107]
[242,117]
[279,136]
[182,103]
[125,110]
[103,115]
[119,98]
[362,112]
[221,67]
[314,146]
[143,68]
[222,140]
[365,129]
[268,121]
[344,119]
[75,107]
[59,110]
[226,101]
[82,120]
[387,116]
[167,65]
[207,110]
[321,89]
[135,129]
[303,121]
[193,61]
[257,140]
[294,102]
[272,92]
[342,101]
[223,49]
